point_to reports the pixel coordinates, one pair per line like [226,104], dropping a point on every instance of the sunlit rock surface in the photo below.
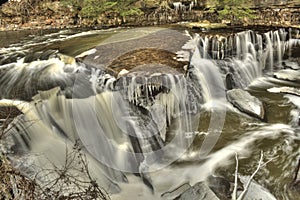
[288,90]
[288,74]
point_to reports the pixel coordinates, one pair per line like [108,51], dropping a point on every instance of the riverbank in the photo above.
[56,15]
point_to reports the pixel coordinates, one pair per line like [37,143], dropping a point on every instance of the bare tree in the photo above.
[70,181]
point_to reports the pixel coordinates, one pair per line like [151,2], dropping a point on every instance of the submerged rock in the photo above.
[246,103]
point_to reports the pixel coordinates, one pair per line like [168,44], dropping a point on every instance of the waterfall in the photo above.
[137,122]
[247,55]
[124,125]
[209,77]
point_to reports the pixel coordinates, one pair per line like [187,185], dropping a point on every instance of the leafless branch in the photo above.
[235,177]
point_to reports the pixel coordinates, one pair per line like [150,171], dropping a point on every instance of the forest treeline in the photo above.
[225,8]
[108,13]
[94,8]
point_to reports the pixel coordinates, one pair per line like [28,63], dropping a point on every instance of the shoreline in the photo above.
[55,17]
[184,24]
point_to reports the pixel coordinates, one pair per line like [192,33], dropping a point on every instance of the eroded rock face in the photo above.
[143,61]
[246,103]
[150,71]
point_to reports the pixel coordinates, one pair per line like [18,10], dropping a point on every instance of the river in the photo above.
[173,127]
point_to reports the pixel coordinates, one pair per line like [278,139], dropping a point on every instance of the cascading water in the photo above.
[247,55]
[139,122]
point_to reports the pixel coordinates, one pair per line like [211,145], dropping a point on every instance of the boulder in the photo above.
[246,103]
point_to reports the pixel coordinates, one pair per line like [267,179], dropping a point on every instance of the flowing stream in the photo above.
[148,127]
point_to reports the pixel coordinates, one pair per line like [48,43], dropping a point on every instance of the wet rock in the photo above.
[67,59]
[288,74]
[220,186]
[287,90]
[40,55]
[291,65]
[255,191]
[176,192]
[230,82]
[246,103]
[199,191]
[143,65]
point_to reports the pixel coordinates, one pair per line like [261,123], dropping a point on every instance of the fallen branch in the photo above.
[235,177]
[252,176]
[260,165]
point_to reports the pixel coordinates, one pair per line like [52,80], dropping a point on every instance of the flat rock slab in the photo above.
[287,90]
[288,74]
[291,65]
[132,40]
[246,103]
